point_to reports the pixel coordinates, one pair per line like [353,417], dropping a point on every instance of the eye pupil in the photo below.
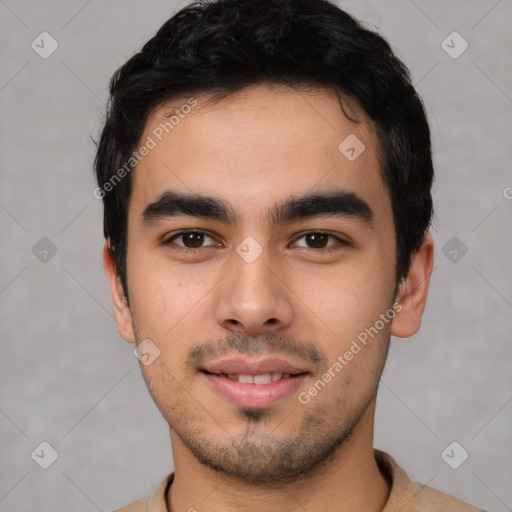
[318,240]
[193,239]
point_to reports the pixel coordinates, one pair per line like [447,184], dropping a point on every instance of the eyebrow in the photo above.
[171,204]
[331,203]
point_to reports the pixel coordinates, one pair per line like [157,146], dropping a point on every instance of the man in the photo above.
[266,168]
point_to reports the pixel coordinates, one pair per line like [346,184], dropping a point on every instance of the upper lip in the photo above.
[243,366]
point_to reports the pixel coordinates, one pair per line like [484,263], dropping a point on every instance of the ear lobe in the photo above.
[121,309]
[413,290]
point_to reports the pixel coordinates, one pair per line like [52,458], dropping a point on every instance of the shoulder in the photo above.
[408,496]
[155,503]
[137,506]
[429,499]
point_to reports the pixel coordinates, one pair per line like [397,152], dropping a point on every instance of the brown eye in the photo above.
[191,240]
[319,240]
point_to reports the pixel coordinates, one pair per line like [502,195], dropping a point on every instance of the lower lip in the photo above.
[254,395]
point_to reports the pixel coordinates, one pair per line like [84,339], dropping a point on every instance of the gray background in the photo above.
[69,379]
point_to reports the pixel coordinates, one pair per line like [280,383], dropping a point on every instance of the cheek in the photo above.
[169,302]
[159,308]
[351,299]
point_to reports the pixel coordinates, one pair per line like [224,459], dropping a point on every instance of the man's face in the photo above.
[256,287]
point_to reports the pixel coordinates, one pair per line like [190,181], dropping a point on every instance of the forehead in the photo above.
[257,146]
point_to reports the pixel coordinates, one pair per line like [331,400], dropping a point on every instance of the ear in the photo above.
[121,308]
[412,293]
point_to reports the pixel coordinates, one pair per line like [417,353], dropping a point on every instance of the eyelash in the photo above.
[326,250]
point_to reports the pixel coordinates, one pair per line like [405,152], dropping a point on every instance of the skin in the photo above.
[255,149]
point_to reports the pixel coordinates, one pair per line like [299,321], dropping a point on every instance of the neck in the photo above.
[349,481]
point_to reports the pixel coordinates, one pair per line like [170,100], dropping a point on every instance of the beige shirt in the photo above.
[405,495]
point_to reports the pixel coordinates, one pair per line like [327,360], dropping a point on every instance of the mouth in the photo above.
[246,383]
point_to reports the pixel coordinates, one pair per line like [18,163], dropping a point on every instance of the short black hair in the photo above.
[222,46]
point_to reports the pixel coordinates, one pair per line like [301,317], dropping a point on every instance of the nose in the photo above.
[252,299]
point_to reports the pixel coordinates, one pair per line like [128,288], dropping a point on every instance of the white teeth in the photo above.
[264,378]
